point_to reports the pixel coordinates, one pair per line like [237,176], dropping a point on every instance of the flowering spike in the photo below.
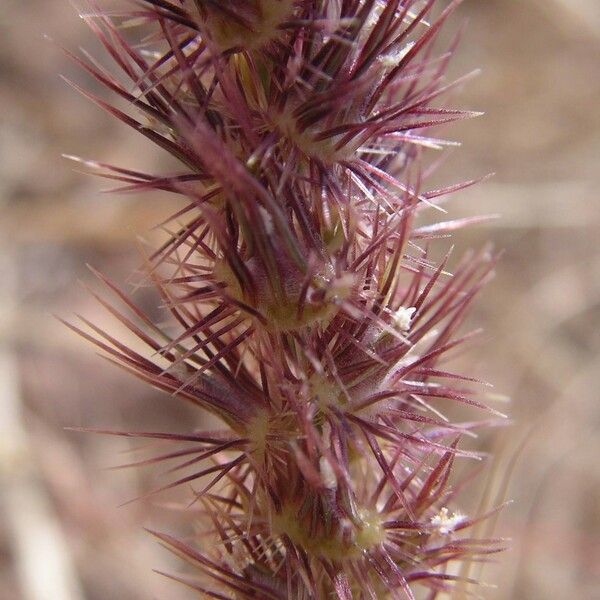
[309,316]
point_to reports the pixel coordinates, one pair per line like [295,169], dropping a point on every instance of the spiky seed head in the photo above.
[312,320]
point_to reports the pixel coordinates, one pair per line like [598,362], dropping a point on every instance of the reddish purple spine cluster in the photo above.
[311,318]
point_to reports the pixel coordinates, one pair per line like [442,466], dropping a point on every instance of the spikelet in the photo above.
[312,320]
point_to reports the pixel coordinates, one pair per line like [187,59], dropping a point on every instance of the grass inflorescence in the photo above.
[311,317]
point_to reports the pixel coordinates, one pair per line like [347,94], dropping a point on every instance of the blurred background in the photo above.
[62,534]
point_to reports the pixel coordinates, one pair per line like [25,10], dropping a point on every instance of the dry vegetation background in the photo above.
[62,536]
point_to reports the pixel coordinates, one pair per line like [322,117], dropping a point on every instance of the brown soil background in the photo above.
[540,89]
